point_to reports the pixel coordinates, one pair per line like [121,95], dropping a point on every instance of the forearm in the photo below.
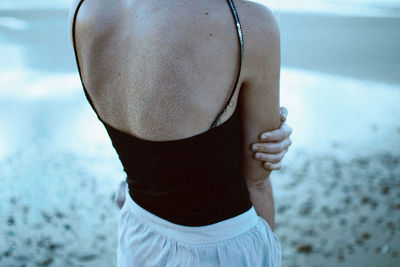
[263,201]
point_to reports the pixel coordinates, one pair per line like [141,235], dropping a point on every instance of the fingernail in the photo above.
[255,147]
[258,156]
[265,137]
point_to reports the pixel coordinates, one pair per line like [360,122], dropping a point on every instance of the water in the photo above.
[42,102]
[369,8]
[341,7]
[56,155]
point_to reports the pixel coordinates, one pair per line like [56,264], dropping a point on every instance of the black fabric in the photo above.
[193,181]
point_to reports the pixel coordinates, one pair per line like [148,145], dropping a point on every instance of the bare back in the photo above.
[165,71]
[159,72]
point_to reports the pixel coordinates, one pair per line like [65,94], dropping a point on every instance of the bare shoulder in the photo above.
[259,16]
[259,96]
[75,5]
[262,36]
[92,16]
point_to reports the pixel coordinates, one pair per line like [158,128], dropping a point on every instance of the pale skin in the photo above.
[273,145]
[119,46]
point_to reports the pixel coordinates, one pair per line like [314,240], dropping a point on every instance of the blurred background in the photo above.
[337,198]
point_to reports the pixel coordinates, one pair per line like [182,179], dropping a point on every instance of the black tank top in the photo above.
[193,181]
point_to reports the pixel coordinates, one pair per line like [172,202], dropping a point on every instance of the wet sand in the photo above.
[337,199]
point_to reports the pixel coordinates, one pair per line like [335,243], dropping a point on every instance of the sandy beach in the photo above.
[337,197]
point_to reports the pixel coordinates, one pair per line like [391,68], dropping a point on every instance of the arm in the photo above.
[273,145]
[263,201]
[260,96]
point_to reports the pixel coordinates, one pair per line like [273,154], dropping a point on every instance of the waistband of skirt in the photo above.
[211,233]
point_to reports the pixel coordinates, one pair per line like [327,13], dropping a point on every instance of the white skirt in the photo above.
[145,239]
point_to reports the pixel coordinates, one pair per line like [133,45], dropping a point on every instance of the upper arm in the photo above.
[259,95]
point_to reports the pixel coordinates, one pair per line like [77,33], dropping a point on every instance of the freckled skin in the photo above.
[165,71]
[160,72]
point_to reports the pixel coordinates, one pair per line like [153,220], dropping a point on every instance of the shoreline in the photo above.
[357,47]
[337,197]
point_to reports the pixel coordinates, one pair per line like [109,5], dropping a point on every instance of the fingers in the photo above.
[119,198]
[272,147]
[271,158]
[277,135]
[283,113]
[272,167]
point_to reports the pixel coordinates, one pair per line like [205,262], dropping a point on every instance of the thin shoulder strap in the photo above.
[240,35]
[77,60]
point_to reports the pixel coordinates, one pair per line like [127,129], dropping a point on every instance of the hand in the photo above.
[120,196]
[274,144]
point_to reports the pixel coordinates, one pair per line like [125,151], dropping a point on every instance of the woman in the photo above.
[183,126]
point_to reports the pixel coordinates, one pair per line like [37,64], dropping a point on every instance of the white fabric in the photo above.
[145,239]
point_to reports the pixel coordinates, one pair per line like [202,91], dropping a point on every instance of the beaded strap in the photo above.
[239,30]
